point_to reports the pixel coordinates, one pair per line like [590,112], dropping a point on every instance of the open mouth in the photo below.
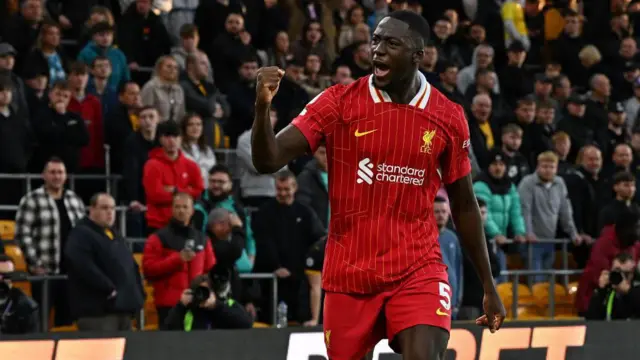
[380,70]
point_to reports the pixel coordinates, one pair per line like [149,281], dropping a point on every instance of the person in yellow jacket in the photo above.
[515,27]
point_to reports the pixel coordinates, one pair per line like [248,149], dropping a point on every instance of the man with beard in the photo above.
[517,164]
[484,135]
[577,125]
[615,133]
[220,195]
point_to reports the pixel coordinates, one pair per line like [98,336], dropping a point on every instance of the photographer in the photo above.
[616,297]
[18,312]
[200,309]
[175,255]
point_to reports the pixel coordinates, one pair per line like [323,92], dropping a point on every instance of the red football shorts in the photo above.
[354,324]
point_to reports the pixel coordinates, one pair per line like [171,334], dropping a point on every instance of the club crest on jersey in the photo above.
[427,138]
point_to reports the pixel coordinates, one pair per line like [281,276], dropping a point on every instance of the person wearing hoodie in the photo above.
[102,44]
[614,239]
[503,204]
[168,172]
[313,184]
[220,195]
[482,59]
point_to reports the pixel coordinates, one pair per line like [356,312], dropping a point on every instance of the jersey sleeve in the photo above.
[315,120]
[455,162]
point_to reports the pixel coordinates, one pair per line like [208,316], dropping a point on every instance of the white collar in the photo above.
[420,100]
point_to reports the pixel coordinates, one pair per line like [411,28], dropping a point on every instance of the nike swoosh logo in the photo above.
[439,312]
[359,134]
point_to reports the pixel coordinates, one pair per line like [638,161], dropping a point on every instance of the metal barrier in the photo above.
[552,284]
[46,279]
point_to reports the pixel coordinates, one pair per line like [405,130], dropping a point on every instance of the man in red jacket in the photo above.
[167,172]
[624,236]
[175,255]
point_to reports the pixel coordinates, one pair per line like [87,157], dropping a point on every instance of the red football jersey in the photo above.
[386,163]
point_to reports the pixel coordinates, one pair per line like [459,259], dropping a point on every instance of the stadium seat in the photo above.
[14,252]
[25,286]
[138,258]
[7,229]
[70,328]
[530,312]
[261,325]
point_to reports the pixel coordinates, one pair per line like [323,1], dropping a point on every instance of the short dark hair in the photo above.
[511,128]
[439,199]
[220,168]
[6,83]
[78,68]
[53,159]
[93,201]
[481,203]
[623,176]
[168,128]
[417,24]
[188,31]
[61,85]
[147,107]
[285,175]
[623,257]
[123,86]
[100,58]
[182,194]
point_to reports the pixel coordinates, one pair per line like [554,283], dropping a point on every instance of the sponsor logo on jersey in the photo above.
[368,172]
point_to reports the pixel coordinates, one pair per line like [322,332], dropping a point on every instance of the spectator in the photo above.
[577,125]
[175,255]
[561,147]
[616,299]
[163,91]
[48,53]
[194,145]
[105,287]
[517,164]
[59,131]
[19,311]
[167,172]
[142,37]
[485,80]
[229,48]
[447,48]
[137,147]
[21,31]
[102,44]
[567,47]
[97,15]
[312,81]
[122,121]
[220,194]
[341,75]
[313,270]
[514,23]
[586,192]
[285,230]
[98,85]
[562,90]
[622,159]
[590,64]
[543,129]
[279,53]
[614,240]
[7,63]
[72,14]
[88,107]
[503,204]
[515,82]
[471,306]
[255,188]
[360,60]
[241,99]
[210,19]
[597,102]
[189,41]
[482,59]
[524,116]
[484,134]
[37,86]
[44,220]
[632,107]
[624,187]
[203,98]
[353,18]
[212,313]
[614,134]
[314,186]
[543,89]
[16,141]
[451,253]
[545,202]
[312,40]
[447,84]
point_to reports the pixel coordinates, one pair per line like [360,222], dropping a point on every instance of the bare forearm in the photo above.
[264,148]
[316,297]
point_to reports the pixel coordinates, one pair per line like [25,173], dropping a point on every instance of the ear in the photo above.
[418,56]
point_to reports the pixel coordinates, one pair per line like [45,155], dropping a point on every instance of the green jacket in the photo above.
[504,211]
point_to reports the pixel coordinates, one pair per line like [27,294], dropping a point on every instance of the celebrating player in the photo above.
[392,140]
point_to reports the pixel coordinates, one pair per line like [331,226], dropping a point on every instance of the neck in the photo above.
[506,150]
[597,97]
[172,155]
[53,192]
[193,78]
[615,128]
[79,93]
[429,68]
[623,199]
[148,134]
[406,91]
[450,88]
[100,84]
[48,49]
[4,108]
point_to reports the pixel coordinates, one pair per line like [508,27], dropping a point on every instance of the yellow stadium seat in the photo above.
[261,325]
[531,312]
[138,258]
[70,328]
[7,229]
[25,286]
[505,291]
[14,252]
[541,294]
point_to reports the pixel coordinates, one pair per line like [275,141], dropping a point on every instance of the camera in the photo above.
[615,277]
[200,295]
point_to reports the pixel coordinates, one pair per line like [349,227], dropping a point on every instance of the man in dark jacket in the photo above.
[616,299]
[624,187]
[285,229]
[314,188]
[7,64]
[122,121]
[203,98]
[18,312]
[59,132]
[105,287]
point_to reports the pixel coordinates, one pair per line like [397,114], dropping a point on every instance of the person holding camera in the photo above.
[18,312]
[201,309]
[616,298]
[175,255]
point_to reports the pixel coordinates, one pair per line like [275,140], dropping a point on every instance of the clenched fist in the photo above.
[267,83]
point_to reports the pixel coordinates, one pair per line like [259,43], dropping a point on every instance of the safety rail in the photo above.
[564,252]
[46,279]
[552,283]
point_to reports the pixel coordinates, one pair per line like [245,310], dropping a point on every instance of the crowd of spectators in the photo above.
[153,91]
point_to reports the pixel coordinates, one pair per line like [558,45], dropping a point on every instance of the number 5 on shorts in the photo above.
[445,290]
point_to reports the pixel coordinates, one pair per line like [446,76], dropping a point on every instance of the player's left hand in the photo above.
[494,312]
